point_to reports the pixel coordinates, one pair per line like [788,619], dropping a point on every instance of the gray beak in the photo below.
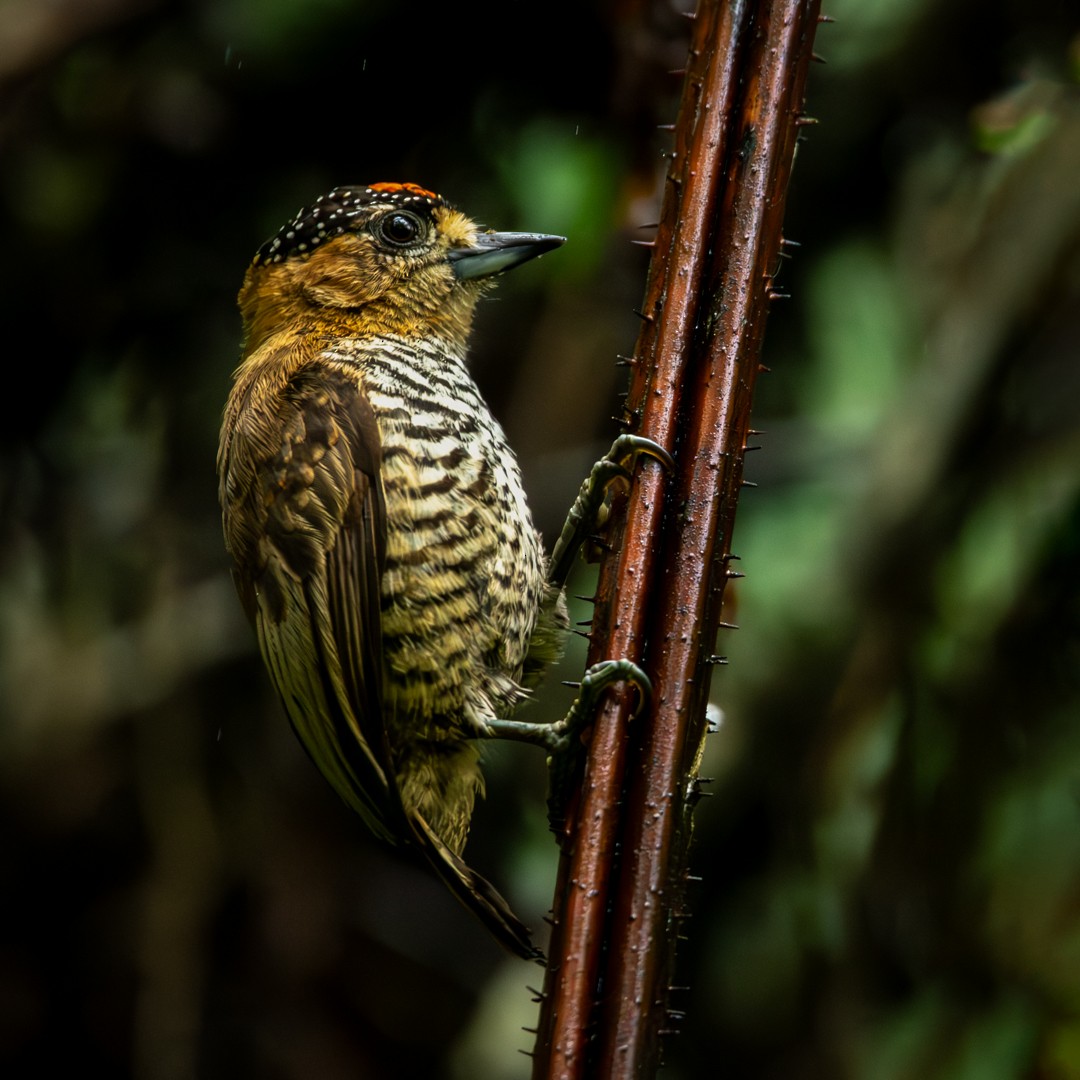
[494,252]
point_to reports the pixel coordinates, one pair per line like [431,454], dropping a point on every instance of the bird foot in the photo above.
[585,514]
[562,740]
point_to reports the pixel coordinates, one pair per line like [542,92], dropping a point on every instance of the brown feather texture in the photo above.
[383,546]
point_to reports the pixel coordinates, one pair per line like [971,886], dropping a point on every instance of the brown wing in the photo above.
[305,521]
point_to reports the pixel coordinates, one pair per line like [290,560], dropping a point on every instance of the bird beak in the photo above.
[494,252]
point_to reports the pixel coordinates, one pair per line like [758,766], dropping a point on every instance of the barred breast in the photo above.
[464,580]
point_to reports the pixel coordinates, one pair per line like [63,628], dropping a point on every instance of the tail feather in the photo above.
[475,892]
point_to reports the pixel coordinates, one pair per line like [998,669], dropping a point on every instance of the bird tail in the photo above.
[475,892]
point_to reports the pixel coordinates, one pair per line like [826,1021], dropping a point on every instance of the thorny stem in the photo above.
[620,892]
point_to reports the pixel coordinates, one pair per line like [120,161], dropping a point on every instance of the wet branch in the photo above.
[620,894]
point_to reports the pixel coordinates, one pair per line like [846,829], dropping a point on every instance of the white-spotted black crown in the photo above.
[340,211]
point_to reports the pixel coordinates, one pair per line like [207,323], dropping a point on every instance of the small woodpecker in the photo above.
[383,546]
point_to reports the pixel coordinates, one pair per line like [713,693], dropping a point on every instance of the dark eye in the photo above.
[399,229]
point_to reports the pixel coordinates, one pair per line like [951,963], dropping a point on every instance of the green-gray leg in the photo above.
[562,740]
[616,464]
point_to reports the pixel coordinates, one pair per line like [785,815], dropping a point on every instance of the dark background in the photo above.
[891,864]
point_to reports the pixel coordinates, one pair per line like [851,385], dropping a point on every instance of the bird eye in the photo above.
[399,229]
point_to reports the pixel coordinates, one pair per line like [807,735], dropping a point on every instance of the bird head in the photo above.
[382,259]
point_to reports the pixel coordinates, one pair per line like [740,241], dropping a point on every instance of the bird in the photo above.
[382,543]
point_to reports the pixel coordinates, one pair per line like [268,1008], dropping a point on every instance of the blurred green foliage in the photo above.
[891,864]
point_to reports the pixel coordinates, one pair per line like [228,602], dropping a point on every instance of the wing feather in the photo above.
[305,523]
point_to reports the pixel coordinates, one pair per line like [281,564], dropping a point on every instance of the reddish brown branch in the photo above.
[659,596]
